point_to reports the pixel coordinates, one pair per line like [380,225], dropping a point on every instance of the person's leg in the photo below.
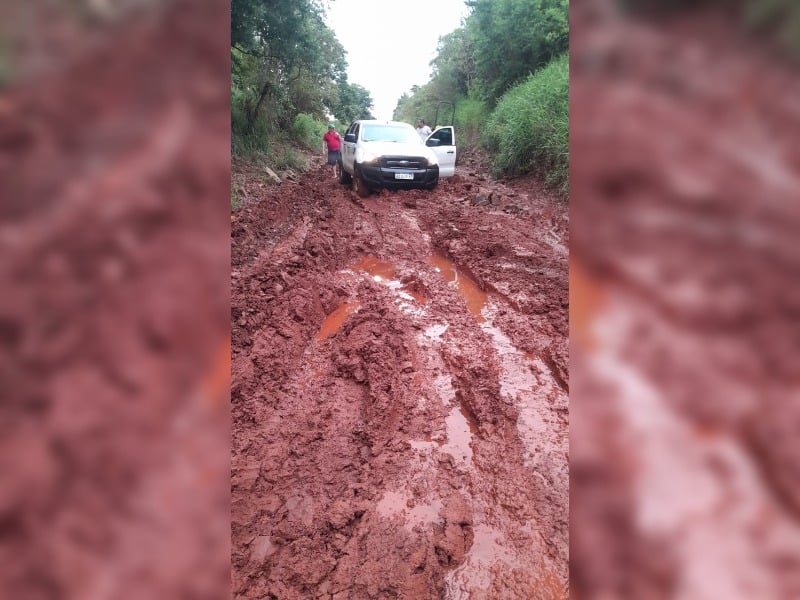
[333,159]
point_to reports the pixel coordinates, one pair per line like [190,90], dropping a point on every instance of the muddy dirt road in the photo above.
[400,395]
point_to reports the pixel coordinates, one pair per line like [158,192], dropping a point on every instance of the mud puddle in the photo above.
[525,380]
[334,321]
[474,297]
[459,428]
[379,269]
[422,433]
[383,271]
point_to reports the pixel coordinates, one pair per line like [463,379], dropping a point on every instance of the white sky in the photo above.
[390,44]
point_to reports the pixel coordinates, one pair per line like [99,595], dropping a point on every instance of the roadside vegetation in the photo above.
[288,77]
[529,128]
[501,79]
[506,71]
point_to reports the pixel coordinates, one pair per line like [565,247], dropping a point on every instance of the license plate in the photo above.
[404,176]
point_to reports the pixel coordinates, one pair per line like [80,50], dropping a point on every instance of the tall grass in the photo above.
[528,131]
[470,115]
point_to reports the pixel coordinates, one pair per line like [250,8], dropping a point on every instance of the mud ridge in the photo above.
[395,434]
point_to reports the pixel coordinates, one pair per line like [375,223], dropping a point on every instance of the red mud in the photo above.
[114,354]
[685,171]
[418,447]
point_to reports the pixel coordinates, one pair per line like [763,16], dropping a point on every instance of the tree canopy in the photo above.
[499,45]
[287,61]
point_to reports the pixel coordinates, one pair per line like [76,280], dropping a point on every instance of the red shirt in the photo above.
[333,140]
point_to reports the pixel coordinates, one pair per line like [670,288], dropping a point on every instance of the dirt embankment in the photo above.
[400,391]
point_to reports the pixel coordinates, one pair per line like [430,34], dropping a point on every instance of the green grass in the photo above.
[469,117]
[528,131]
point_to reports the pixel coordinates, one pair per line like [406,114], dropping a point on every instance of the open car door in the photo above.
[443,143]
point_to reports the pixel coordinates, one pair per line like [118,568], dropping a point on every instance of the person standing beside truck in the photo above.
[423,130]
[332,147]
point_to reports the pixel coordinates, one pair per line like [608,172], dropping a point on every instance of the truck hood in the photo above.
[395,149]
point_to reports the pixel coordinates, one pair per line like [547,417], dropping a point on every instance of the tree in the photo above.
[354,102]
[284,57]
[514,38]
[454,65]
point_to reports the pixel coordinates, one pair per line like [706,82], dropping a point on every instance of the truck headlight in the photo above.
[368,157]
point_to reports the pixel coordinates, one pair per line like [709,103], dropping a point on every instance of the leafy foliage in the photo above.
[454,66]
[421,104]
[514,38]
[529,128]
[285,61]
[489,62]
[308,131]
[353,102]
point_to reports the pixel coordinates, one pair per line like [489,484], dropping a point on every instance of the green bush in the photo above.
[308,131]
[529,129]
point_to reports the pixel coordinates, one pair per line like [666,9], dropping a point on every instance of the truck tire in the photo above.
[344,176]
[359,187]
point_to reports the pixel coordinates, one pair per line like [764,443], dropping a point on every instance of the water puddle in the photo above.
[333,322]
[474,297]
[516,376]
[521,386]
[379,269]
[459,435]
[460,426]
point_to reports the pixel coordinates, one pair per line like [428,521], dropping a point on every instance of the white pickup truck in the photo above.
[390,154]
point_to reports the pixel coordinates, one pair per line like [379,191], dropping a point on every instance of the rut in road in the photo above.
[399,392]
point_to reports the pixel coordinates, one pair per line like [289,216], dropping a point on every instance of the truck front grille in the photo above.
[403,162]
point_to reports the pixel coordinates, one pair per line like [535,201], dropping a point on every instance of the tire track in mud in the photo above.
[413,451]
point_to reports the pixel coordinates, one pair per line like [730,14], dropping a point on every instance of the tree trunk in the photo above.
[265,91]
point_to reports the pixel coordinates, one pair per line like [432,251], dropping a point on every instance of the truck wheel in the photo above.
[344,176]
[361,190]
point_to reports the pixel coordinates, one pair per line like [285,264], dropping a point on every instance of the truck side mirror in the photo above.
[349,137]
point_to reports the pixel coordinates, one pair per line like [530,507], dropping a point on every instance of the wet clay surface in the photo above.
[684,255]
[114,310]
[399,393]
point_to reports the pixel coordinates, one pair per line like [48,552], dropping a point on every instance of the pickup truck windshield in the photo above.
[389,133]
